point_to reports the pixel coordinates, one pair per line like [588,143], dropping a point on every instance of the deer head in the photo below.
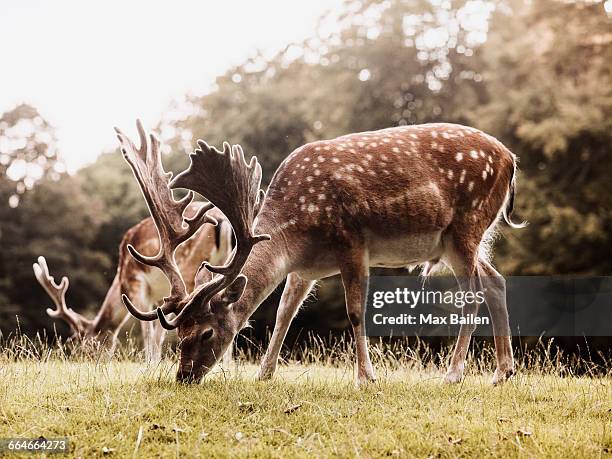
[81,326]
[204,318]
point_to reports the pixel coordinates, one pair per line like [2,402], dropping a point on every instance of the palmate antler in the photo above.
[229,183]
[173,228]
[57,292]
[233,186]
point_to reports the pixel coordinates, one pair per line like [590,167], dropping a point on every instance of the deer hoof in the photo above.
[453,377]
[502,375]
[265,374]
[365,381]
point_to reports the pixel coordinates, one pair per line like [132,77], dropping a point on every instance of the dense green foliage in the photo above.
[536,75]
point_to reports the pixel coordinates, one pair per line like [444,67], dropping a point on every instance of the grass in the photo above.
[123,408]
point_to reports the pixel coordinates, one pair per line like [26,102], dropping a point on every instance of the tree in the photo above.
[44,211]
[27,152]
[550,99]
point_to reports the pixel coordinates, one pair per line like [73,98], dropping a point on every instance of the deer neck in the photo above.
[266,267]
[104,318]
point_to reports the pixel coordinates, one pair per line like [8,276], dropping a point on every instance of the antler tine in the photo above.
[57,292]
[239,197]
[167,213]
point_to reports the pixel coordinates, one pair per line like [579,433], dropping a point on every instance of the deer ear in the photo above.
[234,291]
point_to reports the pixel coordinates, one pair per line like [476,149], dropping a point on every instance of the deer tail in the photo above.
[509,205]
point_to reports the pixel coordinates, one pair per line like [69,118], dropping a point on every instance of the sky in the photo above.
[90,65]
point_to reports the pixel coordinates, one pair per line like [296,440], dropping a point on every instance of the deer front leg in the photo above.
[159,335]
[149,341]
[139,289]
[295,292]
[354,271]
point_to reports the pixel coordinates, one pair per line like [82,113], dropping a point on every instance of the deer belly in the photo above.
[400,251]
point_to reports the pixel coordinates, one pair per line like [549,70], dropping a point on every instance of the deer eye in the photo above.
[206,335]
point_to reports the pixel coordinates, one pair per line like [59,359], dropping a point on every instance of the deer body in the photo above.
[391,198]
[413,195]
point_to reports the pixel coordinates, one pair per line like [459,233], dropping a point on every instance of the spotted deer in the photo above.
[412,195]
[141,281]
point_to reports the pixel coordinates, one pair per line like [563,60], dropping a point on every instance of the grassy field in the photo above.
[123,408]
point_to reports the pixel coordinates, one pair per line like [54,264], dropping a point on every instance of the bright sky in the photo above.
[90,65]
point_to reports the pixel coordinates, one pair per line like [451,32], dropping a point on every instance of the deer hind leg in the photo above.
[462,260]
[495,296]
[354,269]
[295,292]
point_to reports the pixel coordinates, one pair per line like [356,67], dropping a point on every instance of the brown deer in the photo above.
[141,281]
[427,194]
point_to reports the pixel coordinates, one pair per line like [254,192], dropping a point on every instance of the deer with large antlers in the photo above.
[402,196]
[140,281]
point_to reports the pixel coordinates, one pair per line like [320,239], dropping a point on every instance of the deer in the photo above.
[141,281]
[427,195]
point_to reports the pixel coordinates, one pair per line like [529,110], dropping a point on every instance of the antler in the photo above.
[57,294]
[173,228]
[232,185]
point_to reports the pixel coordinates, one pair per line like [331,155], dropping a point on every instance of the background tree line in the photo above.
[536,75]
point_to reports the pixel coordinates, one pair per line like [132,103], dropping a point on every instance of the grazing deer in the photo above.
[402,196]
[141,281]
